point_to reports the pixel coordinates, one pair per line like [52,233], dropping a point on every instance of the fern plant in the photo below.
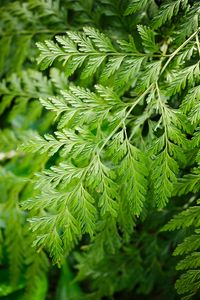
[112,128]
[189,282]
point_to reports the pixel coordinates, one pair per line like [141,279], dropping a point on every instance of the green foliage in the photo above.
[168,11]
[136,5]
[189,281]
[99,147]
[94,51]
[148,38]
[21,22]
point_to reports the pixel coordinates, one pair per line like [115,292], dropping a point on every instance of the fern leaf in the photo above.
[189,183]
[93,65]
[133,170]
[38,265]
[191,99]
[49,52]
[189,282]
[166,12]
[189,23]
[195,114]
[148,38]
[94,51]
[101,41]
[135,5]
[191,261]
[102,180]
[185,76]
[128,71]
[190,244]
[151,74]
[111,67]
[164,173]
[185,219]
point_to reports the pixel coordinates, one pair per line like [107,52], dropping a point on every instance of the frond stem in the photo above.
[198,44]
[178,49]
[162,112]
[126,116]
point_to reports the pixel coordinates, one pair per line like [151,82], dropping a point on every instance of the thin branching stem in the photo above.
[178,49]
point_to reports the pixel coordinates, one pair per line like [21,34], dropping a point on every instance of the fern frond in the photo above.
[186,54]
[133,169]
[101,41]
[14,244]
[92,50]
[189,283]
[78,104]
[164,174]
[189,23]
[167,151]
[190,244]
[167,12]
[13,219]
[37,267]
[20,24]
[185,219]
[22,89]
[191,99]
[188,76]
[150,74]
[188,183]
[194,115]
[124,141]
[136,5]
[148,38]
[93,169]
[191,261]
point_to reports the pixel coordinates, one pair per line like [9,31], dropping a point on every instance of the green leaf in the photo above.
[148,38]
[136,5]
